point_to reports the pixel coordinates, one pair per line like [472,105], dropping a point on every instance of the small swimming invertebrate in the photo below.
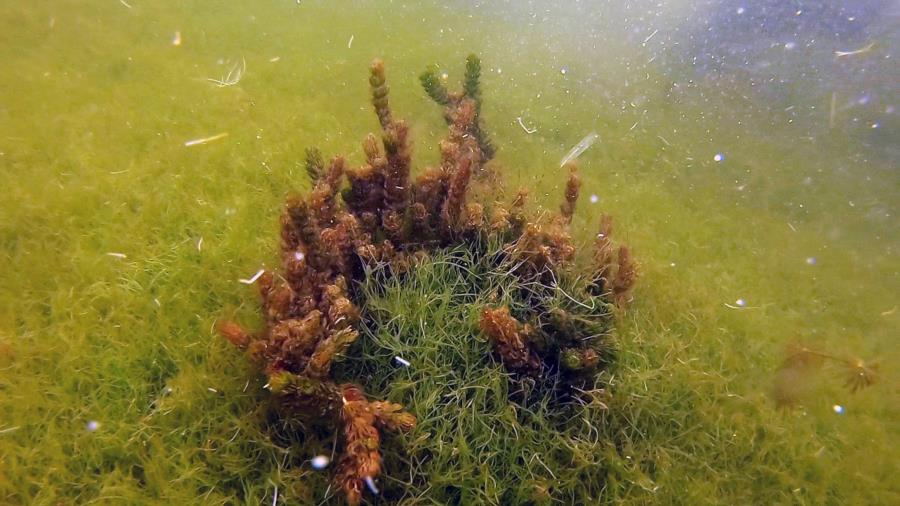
[377,216]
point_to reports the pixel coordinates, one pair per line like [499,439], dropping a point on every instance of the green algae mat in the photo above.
[147,152]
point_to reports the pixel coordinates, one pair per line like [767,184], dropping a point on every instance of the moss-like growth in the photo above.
[549,323]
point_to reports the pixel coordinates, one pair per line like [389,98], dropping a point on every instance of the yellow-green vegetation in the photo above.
[99,105]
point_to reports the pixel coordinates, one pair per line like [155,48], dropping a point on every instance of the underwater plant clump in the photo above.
[384,220]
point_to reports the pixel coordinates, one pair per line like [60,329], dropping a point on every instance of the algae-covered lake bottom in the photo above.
[755,226]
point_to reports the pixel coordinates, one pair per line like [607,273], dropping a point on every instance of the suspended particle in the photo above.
[319,462]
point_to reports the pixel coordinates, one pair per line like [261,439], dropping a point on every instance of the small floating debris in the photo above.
[580,148]
[234,75]
[350,42]
[527,130]
[594,199]
[254,278]
[564,70]
[10,429]
[320,462]
[117,255]
[176,39]
[837,408]
[862,50]
[810,260]
[205,140]
[200,245]
[274,59]
[92,426]
[402,361]
[371,484]
[719,157]
[740,303]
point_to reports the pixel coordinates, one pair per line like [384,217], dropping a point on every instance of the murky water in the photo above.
[748,151]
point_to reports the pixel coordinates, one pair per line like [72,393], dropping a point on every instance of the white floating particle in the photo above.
[790,45]
[320,462]
[299,256]
[875,125]
[402,361]
[176,39]
[810,260]
[594,199]
[719,157]
[117,255]
[837,408]
[740,10]
[254,278]
[564,70]
[740,302]
[92,426]
[371,484]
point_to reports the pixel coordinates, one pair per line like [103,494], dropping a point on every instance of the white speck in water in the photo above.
[320,462]
[741,10]
[594,199]
[371,484]
[790,45]
[719,157]
[299,256]
[837,408]
[564,70]
[92,426]
[811,260]
[402,361]
[875,125]
[740,302]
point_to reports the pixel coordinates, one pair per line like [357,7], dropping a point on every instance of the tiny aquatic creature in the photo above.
[579,148]
[838,54]
[204,140]
[234,75]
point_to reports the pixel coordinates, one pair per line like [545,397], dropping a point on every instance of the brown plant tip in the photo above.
[573,186]
[506,337]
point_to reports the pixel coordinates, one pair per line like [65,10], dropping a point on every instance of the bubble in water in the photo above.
[719,157]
